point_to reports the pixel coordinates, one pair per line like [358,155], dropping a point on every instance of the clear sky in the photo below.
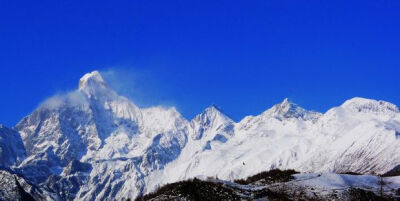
[243,56]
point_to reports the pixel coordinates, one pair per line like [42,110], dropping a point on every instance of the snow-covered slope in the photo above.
[92,144]
[206,132]
[359,136]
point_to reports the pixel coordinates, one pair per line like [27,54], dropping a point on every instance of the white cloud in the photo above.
[73,98]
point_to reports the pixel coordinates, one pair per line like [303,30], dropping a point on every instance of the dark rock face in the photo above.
[68,183]
[76,166]
[393,172]
[360,194]
[66,187]
[12,149]
[15,188]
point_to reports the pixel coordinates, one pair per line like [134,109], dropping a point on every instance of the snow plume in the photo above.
[143,87]
[73,98]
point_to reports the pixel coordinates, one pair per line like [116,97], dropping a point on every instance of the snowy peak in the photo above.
[214,110]
[286,102]
[368,105]
[92,84]
[211,114]
[92,78]
[288,109]
[211,122]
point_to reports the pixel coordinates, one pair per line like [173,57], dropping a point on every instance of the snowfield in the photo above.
[92,144]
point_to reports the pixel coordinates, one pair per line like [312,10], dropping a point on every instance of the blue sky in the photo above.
[244,56]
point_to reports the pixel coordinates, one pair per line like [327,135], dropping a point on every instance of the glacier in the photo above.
[93,144]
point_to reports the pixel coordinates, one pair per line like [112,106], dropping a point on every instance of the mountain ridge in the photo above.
[93,144]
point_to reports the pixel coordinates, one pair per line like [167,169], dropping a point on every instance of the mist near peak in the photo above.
[143,87]
[71,98]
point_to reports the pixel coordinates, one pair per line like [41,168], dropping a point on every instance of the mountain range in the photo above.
[93,144]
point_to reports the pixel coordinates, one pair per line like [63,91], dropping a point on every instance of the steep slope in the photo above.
[363,135]
[211,121]
[123,177]
[113,139]
[207,131]
[12,149]
[14,187]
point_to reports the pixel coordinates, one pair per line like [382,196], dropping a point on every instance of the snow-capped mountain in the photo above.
[93,144]
[359,136]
